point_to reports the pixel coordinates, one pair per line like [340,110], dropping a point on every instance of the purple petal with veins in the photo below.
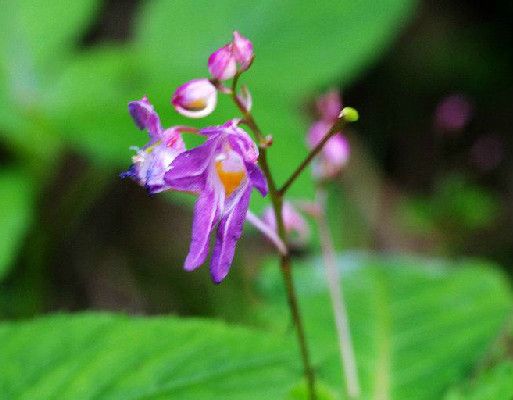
[228,233]
[205,212]
[145,116]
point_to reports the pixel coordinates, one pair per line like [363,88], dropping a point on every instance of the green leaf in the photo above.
[418,326]
[16,208]
[88,104]
[93,356]
[37,35]
[37,40]
[495,384]
[492,378]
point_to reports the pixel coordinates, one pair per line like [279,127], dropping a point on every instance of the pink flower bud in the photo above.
[222,64]
[242,50]
[195,99]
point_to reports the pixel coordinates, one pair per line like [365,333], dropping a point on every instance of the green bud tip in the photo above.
[349,114]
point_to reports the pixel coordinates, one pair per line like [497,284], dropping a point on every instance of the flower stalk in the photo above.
[348,114]
[285,261]
[334,279]
[224,170]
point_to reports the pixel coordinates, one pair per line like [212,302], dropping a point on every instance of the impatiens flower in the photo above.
[222,63]
[222,171]
[152,161]
[298,232]
[335,153]
[195,99]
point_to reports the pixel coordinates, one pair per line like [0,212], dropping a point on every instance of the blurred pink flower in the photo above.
[335,154]
[329,105]
[453,113]
[297,228]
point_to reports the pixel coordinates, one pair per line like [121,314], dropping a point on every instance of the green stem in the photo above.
[285,261]
[336,127]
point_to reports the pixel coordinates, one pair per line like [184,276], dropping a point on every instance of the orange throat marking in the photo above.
[196,105]
[231,180]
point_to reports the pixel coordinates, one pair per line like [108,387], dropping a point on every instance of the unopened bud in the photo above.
[349,114]
[195,99]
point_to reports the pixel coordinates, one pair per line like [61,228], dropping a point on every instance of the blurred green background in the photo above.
[422,215]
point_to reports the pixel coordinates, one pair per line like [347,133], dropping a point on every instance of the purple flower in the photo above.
[223,172]
[222,63]
[195,99]
[152,161]
[297,228]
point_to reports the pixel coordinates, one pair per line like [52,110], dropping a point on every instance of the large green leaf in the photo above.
[37,40]
[418,325]
[495,384]
[492,378]
[95,356]
[88,103]
[16,208]
[36,34]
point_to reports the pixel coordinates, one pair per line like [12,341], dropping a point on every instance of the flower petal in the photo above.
[192,162]
[188,184]
[205,212]
[228,232]
[336,151]
[145,116]
[242,50]
[222,64]
[257,178]
[150,164]
[241,143]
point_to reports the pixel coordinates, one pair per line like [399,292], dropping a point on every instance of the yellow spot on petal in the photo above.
[197,105]
[230,179]
[149,149]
